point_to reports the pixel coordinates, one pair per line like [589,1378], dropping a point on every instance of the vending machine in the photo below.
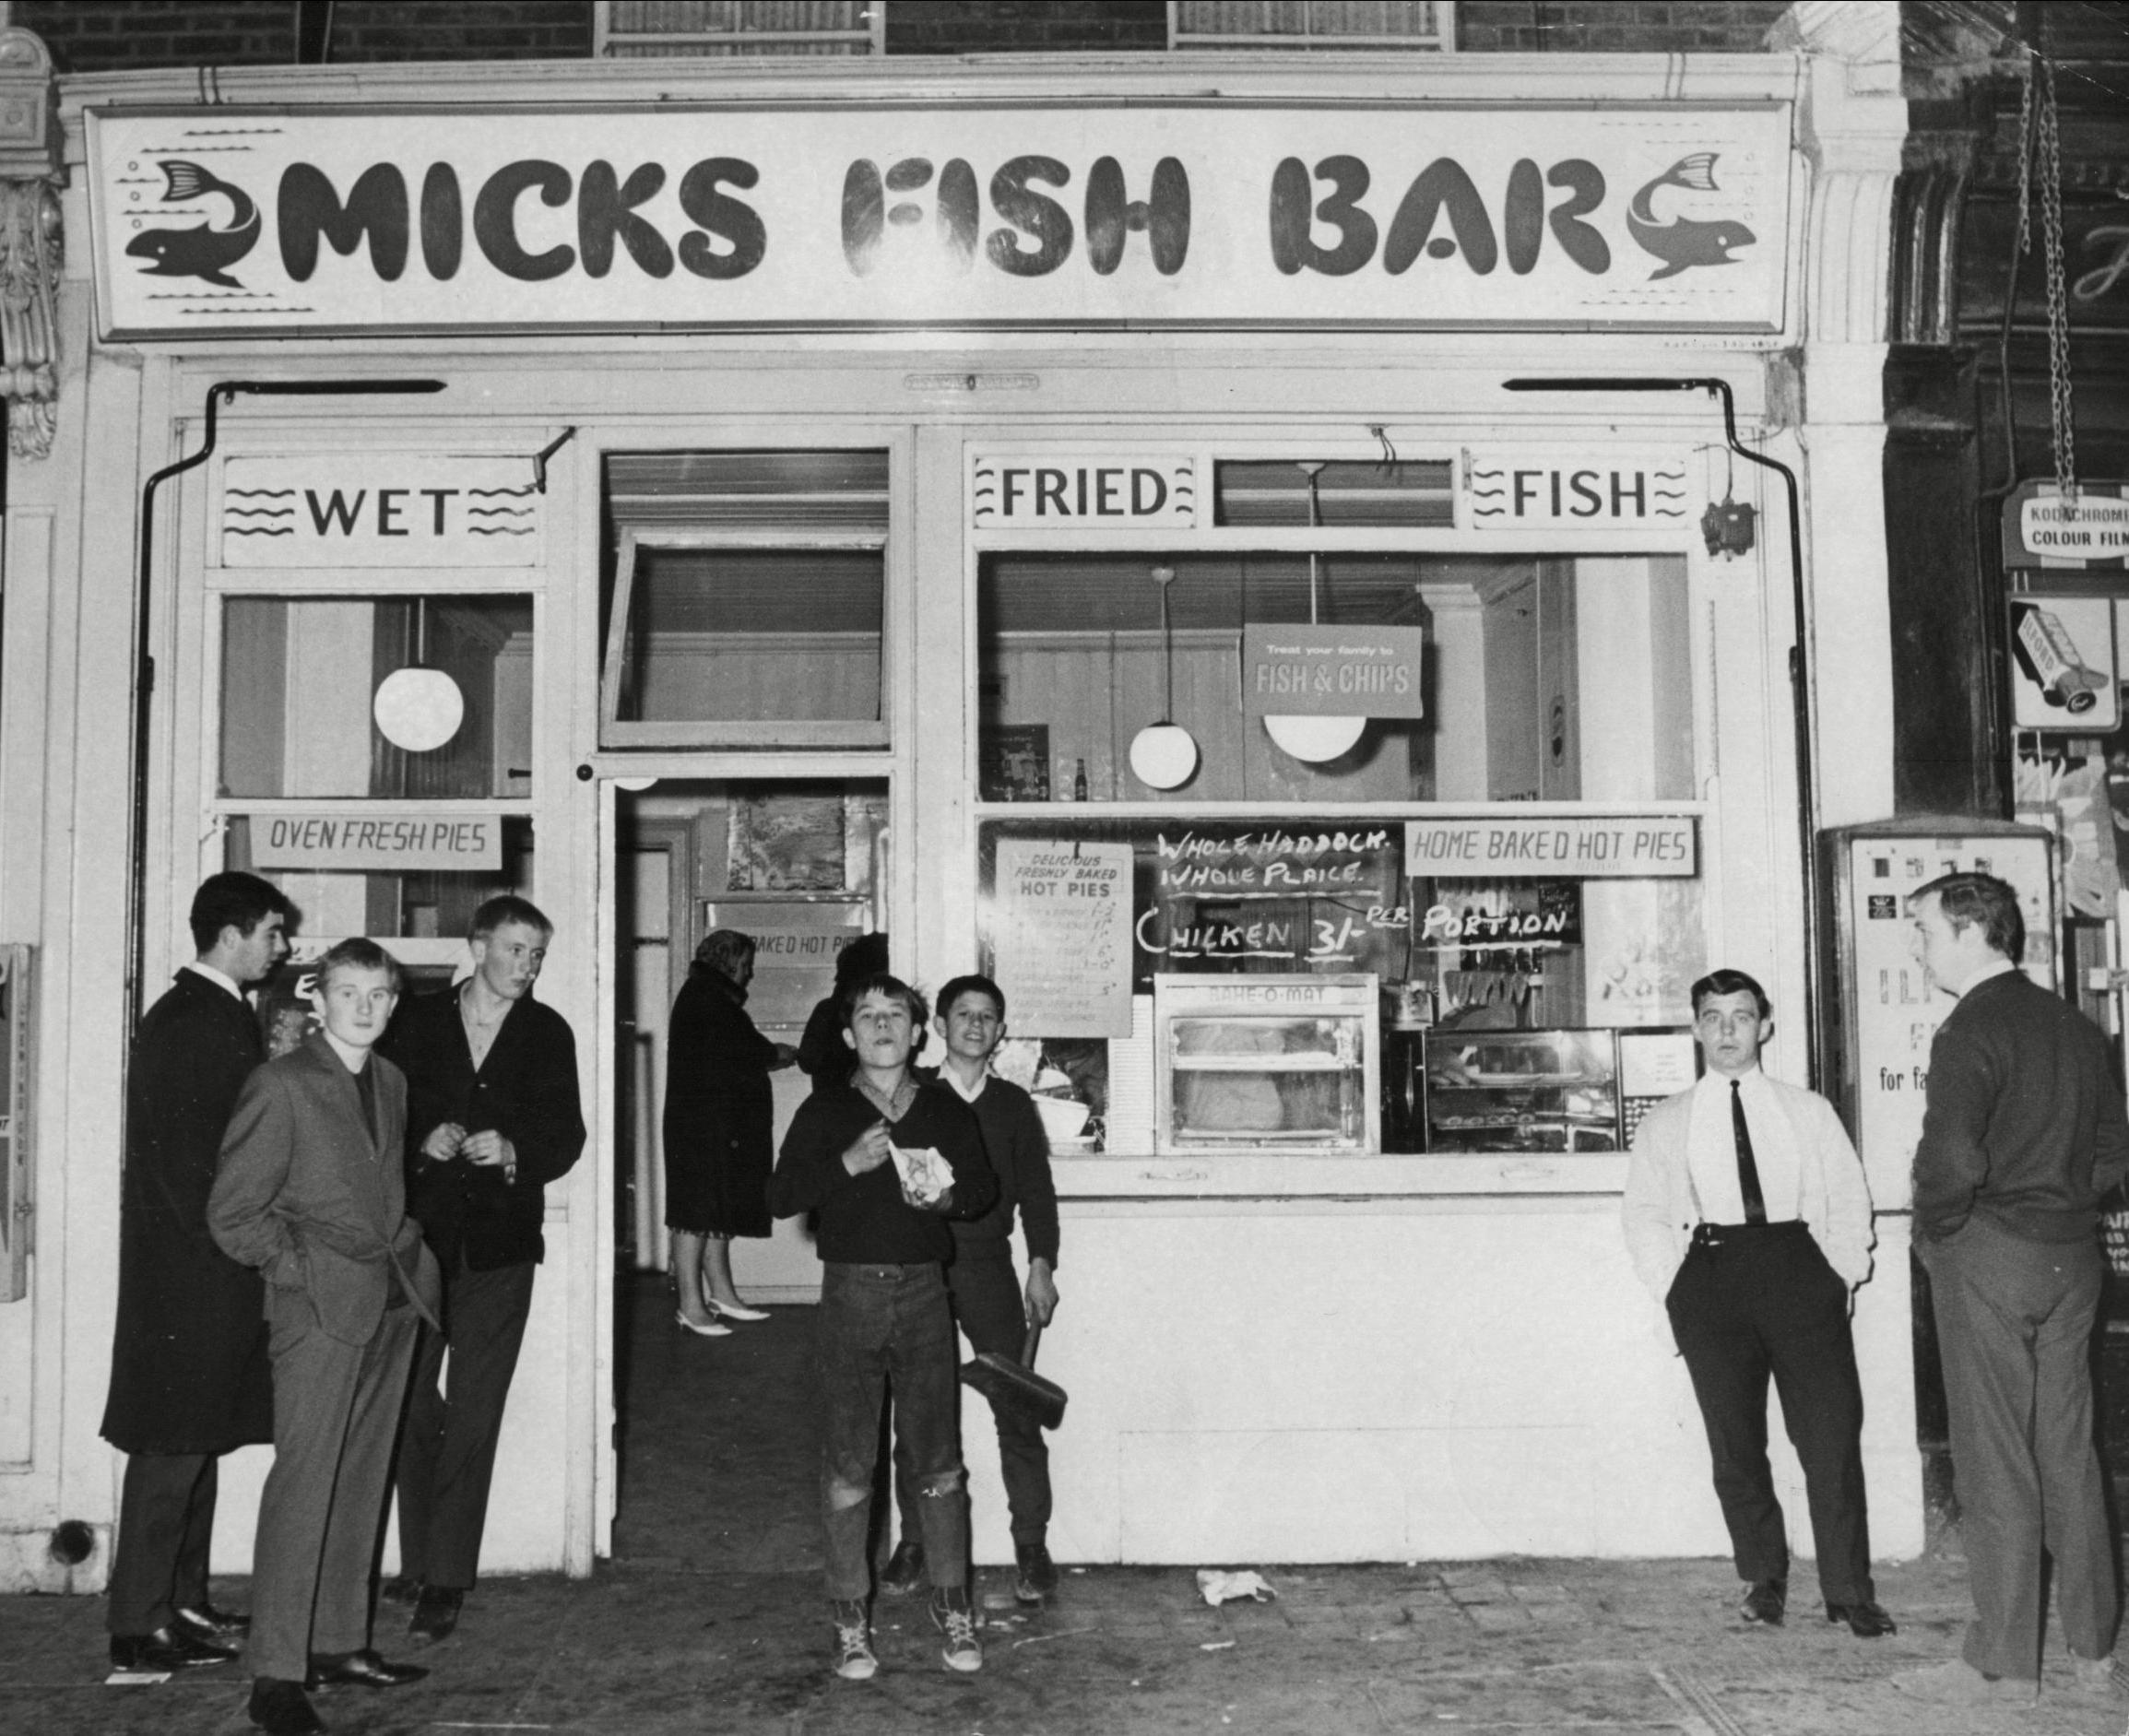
[1883,1015]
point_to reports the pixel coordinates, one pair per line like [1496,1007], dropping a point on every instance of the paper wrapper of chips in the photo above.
[925,1174]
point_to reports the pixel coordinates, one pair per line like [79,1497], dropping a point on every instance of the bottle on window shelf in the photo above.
[1079,780]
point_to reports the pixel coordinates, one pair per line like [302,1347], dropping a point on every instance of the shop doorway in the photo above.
[714,1435]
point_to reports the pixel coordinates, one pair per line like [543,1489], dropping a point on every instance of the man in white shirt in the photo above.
[1747,1216]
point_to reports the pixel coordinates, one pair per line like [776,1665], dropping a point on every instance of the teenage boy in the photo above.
[884,1317]
[989,1303]
[311,1191]
[189,1375]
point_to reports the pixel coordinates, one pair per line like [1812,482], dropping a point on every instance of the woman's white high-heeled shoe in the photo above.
[734,1310]
[712,1328]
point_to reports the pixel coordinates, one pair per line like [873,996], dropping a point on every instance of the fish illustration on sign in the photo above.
[1685,242]
[201,251]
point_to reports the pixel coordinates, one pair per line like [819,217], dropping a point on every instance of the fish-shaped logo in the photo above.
[201,251]
[1685,242]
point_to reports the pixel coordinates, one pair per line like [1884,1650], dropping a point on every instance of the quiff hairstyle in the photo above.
[236,900]
[506,908]
[1967,899]
[1727,982]
[359,953]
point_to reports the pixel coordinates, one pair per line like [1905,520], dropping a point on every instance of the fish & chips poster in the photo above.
[1669,216]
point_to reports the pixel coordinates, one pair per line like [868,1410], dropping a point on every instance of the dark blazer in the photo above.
[311,1192]
[525,1090]
[2024,1123]
[188,1358]
[720,1112]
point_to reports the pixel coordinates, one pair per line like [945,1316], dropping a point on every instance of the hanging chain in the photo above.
[2025,166]
[2059,407]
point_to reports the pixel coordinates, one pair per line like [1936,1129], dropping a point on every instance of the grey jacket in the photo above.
[314,1197]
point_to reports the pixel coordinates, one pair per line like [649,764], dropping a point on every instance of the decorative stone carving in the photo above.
[30,255]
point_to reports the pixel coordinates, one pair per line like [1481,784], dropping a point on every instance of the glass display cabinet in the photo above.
[1266,1062]
[1547,1091]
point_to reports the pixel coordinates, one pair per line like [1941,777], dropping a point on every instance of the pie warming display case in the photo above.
[1266,1063]
[1547,1090]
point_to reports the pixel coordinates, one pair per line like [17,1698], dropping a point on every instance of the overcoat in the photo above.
[189,1372]
[720,1115]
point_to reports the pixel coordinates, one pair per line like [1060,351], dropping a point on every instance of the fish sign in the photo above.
[1177,213]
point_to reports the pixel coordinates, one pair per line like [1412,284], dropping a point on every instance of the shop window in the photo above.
[1537,679]
[637,30]
[309,687]
[419,913]
[1410,24]
[747,599]
[1314,985]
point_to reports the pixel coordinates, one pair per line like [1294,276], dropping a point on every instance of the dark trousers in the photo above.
[2015,1322]
[880,1326]
[335,1414]
[166,1518]
[447,1448]
[1754,1300]
[987,1307]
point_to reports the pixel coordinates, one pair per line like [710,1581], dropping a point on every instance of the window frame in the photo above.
[617,732]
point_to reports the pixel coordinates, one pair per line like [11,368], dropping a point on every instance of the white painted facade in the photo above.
[1387,1358]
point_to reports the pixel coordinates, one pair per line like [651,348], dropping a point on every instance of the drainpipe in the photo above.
[221,392]
[1799,679]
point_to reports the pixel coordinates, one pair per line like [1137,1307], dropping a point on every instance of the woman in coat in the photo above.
[719,1130]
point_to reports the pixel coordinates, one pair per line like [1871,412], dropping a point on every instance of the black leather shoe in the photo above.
[1865,1619]
[359,1669]
[166,1648]
[905,1569]
[403,1590]
[436,1614]
[1034,1578]
[1765,1602]
[205,1621]
[282,1709]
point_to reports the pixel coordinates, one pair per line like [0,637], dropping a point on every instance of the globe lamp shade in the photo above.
[1164,756]
[1315,739]
[418,709]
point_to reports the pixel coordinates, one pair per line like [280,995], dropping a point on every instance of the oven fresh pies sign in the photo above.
[213,222]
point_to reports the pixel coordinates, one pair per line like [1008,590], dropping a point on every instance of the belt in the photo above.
[886,1270]
[1737,1234]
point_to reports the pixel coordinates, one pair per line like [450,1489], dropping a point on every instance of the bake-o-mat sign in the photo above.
[213,221]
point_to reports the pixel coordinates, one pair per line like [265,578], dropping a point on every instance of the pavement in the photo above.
[709,1618]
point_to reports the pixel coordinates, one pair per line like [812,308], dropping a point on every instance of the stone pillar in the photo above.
[31,168]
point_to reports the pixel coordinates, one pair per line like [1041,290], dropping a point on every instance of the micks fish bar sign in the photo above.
[209,222]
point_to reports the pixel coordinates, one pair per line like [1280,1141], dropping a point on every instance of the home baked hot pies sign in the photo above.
[1421,215]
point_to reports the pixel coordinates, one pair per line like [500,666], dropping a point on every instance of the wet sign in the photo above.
[380,510]
[1415,215]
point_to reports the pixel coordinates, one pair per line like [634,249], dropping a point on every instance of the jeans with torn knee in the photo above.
[882,1328]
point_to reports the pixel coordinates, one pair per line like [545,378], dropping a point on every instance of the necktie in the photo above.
[1747,1170]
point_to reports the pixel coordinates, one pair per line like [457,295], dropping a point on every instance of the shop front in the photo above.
[1165,551]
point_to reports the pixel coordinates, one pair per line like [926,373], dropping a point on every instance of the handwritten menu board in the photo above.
[1062,937]
[1896,1011]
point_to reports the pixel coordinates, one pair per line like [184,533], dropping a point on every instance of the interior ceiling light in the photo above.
[1164,755]
[1314,739]
[419,709]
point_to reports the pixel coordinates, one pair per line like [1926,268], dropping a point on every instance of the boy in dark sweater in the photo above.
[884,1244]
[989,1303]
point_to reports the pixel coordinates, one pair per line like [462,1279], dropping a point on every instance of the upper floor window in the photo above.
[1419,24]
[640,30]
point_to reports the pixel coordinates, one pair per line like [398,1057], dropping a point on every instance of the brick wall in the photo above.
[1613,26]
[116,35]
[127,35]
